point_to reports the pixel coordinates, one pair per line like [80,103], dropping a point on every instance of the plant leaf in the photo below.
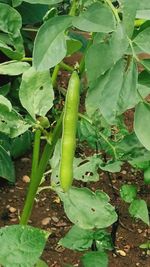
[13,68]
[95,259]
[7,170]
[97,18]
[21,245]
[87,209]
[141,124]
[138,209]
[36,92]
[77,239]
[128,192]
[48,52]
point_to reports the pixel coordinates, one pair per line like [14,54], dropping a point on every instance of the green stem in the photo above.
[65,66]
[55,74]
[99,133]
[73,8]
[30,29]
[114,10]
[27,59]
[34,184]
[36,151]
[132,48]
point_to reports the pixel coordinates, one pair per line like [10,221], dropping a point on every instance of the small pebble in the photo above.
[25,160]
[13,220]
[137,264]
[46,221]
[55,219]
[26,179]
[12,209]
[139,231]
[124,172]
[121,253]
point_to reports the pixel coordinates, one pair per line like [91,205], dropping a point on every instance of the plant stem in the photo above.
[35,181]
[27,59]
[114,10]
[73,8]
[30,29]
[65,66]
[55,74]
[36,150]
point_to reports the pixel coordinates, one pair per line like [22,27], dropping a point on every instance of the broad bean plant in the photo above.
[109,38]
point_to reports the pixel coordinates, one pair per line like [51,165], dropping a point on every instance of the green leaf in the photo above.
[41,263]
[142,40]
[86,170]
[73,46]
[138,209]
[103,240]
[7,170]
[112,166]
[87,209]
[145,245]
[44,2]
[36,92]
[21,245]
[100,57]
[13,68]
[124,94]
[141,124]
[10,23]
[21,144]
[129,13]
[95,259]
[11,123]
[128,192]
[48,52]
[77,239]
[4,102]
[97,18]
[146,64]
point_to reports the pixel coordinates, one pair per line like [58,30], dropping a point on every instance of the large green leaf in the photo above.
[141,123]
[114,92]
[95,259]
[97,18]
[138,209]
[36,92]
[13,68]
[7,170]
[77,239]
[21,245]
[102,56]
[41,263]
[129,13]
[87,209]
[142,40]
[50,43]
[10,24]
[43,2]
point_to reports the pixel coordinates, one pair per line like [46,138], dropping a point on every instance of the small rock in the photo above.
[121,253]
[139,231]
[137,264]
[26,179]
[13,220]
[25,160]
[127,248]
[55,219]
[12,209]
[124,172]
[46,221]
[11,190]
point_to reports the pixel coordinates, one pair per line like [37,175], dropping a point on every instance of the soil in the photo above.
[130,233]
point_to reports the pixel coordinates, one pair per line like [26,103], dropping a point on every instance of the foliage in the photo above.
[110,39]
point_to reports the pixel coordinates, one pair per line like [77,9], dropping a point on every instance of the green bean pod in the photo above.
[68,143]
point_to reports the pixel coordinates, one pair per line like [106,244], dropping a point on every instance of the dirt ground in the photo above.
[48,214]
